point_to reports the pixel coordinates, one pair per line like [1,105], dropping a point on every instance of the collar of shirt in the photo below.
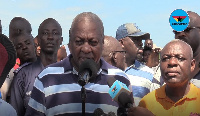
[136,65]
[192,94]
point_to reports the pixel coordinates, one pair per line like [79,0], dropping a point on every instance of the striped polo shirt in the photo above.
[56,91]
[141,77]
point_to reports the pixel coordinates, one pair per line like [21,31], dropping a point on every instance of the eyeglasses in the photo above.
[188,29]
[122,51]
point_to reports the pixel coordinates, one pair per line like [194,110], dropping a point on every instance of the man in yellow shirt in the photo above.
[178,97]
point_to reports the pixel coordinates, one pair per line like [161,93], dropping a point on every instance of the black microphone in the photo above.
[99,112]
[87,71]
[125,100]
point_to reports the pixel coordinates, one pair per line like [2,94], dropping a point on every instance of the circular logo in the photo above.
[179,20]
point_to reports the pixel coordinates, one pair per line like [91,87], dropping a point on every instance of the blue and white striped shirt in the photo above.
[141,77]
[56,91]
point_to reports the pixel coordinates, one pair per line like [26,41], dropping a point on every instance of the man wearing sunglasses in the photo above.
[140,75]
[191,35]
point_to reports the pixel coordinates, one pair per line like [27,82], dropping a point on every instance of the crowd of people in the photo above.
[44,80]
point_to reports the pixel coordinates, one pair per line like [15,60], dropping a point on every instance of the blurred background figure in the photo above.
[130,37]
[37,46]
[149,43]
[19,29]
[61,54]
[191,35]
[49,40]
[113,52]
[8,57]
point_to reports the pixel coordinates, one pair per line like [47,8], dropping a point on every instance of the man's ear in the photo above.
[121,42]
[193,65]
[114,59]
[61,40]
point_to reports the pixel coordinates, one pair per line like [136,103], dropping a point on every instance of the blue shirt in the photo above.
[141,77]
[6,109]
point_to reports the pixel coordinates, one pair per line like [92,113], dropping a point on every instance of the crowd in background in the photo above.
[162,81]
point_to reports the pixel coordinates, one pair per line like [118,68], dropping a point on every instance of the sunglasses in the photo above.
[188,29]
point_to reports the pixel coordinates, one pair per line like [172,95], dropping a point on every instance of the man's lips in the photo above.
[50,44]
[172,73]
[26,53]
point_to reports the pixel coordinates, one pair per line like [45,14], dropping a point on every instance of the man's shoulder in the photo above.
[6,109]
[141,71]
[146,69]
[55,68]
[24,66]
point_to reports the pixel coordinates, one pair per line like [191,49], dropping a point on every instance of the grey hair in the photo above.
[87,15]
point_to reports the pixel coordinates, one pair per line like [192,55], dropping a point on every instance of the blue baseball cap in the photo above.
[130,29]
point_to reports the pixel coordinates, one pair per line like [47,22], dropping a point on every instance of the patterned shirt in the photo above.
[56,91]
[141,77]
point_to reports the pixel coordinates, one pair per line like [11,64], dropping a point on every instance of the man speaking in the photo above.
[56,90]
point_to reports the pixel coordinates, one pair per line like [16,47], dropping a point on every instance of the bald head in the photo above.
[194,19]
[19,25]
[110,44]
[87,17]
[113,52]
[178,45]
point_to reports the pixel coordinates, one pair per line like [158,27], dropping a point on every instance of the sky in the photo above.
[150,16]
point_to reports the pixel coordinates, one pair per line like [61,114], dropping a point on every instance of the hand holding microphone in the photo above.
[121,94]
[118,91]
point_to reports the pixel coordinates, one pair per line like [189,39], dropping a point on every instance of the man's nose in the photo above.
[173,62]
[50,36]
[180,35]
[86,48]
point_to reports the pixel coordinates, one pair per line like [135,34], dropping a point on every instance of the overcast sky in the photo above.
[150,16]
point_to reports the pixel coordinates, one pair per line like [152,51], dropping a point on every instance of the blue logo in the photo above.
[179,20]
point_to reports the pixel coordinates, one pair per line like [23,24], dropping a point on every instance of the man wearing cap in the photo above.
[140,75]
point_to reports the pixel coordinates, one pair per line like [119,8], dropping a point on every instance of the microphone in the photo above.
[99,112]
[116,88]
[87,71]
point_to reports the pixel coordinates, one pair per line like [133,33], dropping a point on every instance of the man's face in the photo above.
[176,64]
[120,57]
[148,43]
[146,55]
[131,45]
[191,34]
[25,48]
[86,42]
[20,27]
[49,38]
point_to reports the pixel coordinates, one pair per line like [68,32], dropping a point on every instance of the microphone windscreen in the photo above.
[7,57]
[88,65]
[111,114]
[98,112]
[124,99]
[110,81]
